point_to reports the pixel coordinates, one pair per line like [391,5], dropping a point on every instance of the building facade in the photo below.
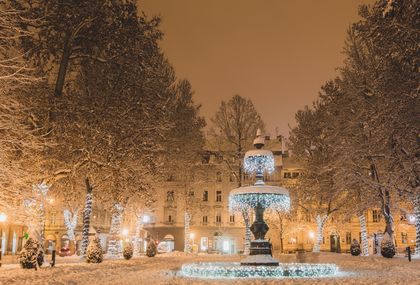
[212,227]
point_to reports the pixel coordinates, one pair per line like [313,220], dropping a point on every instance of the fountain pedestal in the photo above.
[261,249]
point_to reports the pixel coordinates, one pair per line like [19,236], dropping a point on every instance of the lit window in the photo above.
[348,238]
[376,216]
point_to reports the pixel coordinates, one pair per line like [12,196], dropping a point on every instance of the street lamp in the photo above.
[146,219]
[311,234]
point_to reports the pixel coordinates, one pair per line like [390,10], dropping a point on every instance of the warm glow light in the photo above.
[146,219]
[192,235]
[125,232]
[3,217]
[412,219]
[311,234]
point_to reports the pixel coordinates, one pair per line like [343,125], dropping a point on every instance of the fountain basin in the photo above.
[221,270]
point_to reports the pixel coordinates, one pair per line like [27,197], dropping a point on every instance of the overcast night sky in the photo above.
[277,53]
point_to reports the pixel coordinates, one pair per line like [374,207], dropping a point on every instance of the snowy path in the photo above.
[163,269]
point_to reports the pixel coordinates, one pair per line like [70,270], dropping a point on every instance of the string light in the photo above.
[363,235]
[114,246]
[217,270]
[70,221]
[259,163]
[272,201]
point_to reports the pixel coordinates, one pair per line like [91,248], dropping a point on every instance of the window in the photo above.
[191,193]
[295,175]
[170,219]
[205,196]
[348,238]
[287,175]
[204,219]
[403,237]
[232,219]
[232,177]
[376,216]
[170,196]
[219,176]
[53,218]
[218,218]
[218,196]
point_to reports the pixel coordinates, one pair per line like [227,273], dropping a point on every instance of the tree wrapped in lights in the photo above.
[187,233]
[320,223]
[247,222]
[87,211]
[363,235]
[137,238]
[114,246]
[417,223]
[70,221]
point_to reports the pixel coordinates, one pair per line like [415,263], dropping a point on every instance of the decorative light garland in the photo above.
[239,202]
[259,164]
[320,222]
[87,211]
[363,235]
[70,221]
[217,270]
[114,245]
[417,222]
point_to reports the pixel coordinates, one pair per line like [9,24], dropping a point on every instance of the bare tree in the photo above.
[233,130]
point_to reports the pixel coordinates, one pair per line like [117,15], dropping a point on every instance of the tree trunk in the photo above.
[320,223]
[86,217]
[281,237]
[137,243]
[187,233]
[247,243]
[363,233]
[114,246]
[65,58]
[417,221]
[70,221]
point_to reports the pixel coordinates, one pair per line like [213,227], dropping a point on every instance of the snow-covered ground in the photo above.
[164,269]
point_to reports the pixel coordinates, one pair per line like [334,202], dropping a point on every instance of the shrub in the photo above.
[94,251]
[128,250]
[151,248]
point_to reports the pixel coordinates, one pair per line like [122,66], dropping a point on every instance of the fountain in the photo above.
[260,197]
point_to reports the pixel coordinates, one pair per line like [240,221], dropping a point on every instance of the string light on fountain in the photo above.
[259,197]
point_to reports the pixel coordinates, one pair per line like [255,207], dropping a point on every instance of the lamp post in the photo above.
[3,219]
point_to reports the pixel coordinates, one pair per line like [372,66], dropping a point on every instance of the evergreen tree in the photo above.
[151,250]
[128,250]
[94,251]
[31,255]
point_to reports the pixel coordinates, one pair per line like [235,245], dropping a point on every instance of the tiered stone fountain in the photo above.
[259,197]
